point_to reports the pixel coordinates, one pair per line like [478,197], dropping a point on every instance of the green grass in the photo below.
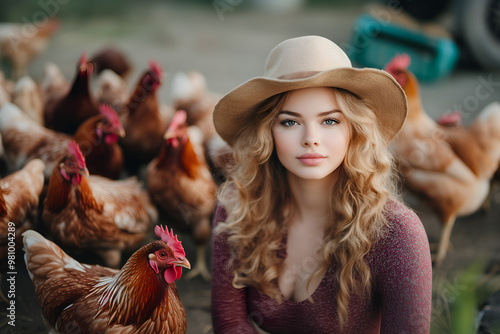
[456,302]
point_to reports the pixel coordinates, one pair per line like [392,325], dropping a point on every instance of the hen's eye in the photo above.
[162,255]
[69,163]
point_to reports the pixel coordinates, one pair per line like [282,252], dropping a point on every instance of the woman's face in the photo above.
[311,134]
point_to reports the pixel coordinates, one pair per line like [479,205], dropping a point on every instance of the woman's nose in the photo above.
[310,139]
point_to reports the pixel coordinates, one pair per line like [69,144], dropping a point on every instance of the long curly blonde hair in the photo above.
[257,198]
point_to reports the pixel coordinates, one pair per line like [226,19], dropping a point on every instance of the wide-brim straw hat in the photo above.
[312,61]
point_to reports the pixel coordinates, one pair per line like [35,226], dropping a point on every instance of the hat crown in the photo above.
[304,56]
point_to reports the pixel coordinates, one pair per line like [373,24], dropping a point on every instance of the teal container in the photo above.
[376,42]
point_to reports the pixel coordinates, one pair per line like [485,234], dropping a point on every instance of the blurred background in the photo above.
[455,50]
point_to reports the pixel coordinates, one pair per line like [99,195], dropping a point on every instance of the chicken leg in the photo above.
[444,241]
[200,268]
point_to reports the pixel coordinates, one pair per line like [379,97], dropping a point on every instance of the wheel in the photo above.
[478,23]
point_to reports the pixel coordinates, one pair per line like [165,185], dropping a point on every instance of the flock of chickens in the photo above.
[96,170]
[93,166]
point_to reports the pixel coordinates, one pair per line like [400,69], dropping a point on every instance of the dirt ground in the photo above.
[229,48]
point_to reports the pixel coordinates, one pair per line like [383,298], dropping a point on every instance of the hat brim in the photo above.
[382,92]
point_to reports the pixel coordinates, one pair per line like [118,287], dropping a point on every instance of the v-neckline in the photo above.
[282,254]
[311,296]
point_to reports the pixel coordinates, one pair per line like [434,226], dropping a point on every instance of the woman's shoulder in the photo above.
[404,230]
[401,218]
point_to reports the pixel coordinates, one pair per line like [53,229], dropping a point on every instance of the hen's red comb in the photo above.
[85,68]
[156,68]
[453,118]
[111,115]
[74,150]
[179,118]
[83,59]
[399,62]
[170,240]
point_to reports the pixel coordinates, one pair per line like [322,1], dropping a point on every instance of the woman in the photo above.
[308,235]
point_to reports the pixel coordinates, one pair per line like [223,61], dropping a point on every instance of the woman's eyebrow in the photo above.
[322,114]
[329,112]
[291,113]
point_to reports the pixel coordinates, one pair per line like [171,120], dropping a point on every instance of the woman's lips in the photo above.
[311,159]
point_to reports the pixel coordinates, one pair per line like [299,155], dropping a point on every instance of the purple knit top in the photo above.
[400,302]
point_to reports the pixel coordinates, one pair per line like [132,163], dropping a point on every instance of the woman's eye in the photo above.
[330,121]
[288,122]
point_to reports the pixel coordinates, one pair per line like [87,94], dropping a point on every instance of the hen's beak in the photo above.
[121,132]
[84,172]
[183,263]
[169,134]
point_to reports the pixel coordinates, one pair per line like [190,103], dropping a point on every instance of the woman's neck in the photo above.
[311,198]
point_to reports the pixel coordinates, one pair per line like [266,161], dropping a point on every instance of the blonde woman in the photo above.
[308,234]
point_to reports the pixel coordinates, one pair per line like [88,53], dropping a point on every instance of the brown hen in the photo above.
[96,213]
[144,124]
[23,42]
[450,166]
[190,93]
[140,298]
[182,187]
[24,139]
[66,113]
